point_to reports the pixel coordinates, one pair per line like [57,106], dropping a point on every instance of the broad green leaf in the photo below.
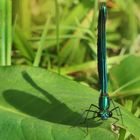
[125,77]
[36,104]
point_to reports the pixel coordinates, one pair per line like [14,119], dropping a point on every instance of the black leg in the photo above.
[89,110]
[115,121]
[92,105]
[87,122]
[86,118]
[119,114]
[115,107]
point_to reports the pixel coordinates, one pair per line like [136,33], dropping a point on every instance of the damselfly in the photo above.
[103,111]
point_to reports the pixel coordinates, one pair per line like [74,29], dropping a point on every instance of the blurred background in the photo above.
[61,36]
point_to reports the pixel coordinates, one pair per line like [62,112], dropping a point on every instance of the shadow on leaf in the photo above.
[52,110]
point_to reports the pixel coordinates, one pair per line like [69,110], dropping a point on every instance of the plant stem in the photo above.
[9,31]
[42,43]
[6,28]
[3,48]
[25,17]
[94,18]
[57,33]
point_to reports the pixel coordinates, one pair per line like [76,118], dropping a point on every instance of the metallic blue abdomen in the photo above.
[104,102]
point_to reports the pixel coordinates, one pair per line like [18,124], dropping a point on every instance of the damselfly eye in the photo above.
[110,114]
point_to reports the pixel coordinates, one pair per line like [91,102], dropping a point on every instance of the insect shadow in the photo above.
[51,109]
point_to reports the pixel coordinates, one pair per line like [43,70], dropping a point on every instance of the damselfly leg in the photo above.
[87,113]
[115,121]
[117,109]
[95,115]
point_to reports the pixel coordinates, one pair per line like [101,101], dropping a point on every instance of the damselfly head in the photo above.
[103,11]
[104,115]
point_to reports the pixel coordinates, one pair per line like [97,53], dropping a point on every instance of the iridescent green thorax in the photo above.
[101,43]
[104,102]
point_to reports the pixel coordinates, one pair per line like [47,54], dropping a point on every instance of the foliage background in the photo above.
[61,36]
[52,34]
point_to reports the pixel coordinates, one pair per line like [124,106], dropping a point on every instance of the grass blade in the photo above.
[42,43]
[3,48]
[6,27]
[8,31]
[57,33]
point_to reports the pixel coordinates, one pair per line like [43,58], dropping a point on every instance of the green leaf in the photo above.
[36,104]
[125,77]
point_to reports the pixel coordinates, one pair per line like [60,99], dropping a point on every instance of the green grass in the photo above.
[61,36]
[5,32]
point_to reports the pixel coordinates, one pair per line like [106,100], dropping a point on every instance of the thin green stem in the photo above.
[8,31]
[25,17]
[94,18]
[89,65]
[127,84]
[6,27]
[42,43]
[57,33]
[62,37]
[3,48]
